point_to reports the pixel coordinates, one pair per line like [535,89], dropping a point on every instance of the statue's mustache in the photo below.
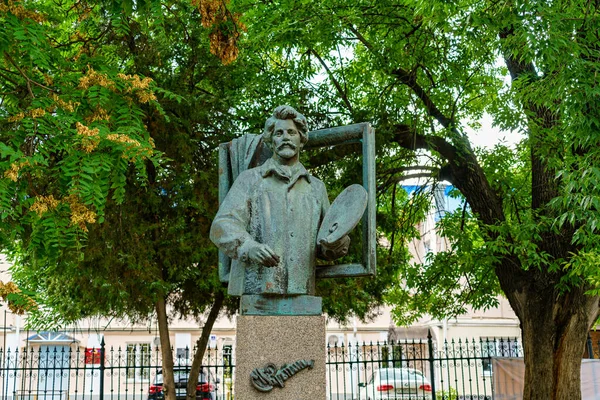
[286,144]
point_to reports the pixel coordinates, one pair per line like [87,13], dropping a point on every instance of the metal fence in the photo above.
[417,369]
[69,372]
[457,370]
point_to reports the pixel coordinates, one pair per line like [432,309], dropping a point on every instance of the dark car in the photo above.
[205,390]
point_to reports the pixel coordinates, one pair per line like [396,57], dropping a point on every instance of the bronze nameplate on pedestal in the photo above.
[264,379]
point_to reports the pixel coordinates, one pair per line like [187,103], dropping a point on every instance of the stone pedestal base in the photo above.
[280,340]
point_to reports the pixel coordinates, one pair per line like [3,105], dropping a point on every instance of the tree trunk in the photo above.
[554,324]
[201,345]
[166,350]
[555,328]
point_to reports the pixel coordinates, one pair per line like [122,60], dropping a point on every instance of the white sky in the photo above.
[488,136]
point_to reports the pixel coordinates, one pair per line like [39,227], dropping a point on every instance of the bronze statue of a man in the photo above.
[269,220]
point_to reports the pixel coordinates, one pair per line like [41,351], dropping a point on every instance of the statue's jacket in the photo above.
[282,208]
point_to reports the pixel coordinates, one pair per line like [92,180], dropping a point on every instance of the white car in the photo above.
[396,384]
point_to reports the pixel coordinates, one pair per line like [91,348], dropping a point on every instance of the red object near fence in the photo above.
[92,356]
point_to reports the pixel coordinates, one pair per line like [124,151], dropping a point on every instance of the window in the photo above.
[138,361]
[498,347]
[183,345]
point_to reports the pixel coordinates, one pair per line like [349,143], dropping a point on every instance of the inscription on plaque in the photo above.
[265,379]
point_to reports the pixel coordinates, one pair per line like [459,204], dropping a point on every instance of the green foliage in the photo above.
[434,68]
[351,51]
[115,75]
[71,129]
[450,394]
[109,121]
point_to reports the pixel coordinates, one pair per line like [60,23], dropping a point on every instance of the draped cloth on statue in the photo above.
[247,152]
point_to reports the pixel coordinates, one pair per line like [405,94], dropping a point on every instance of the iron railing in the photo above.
[456,370]
[68,372]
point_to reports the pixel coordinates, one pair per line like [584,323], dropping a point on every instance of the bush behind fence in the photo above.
[456,370]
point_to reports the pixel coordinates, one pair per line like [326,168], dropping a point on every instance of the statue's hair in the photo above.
[286,112]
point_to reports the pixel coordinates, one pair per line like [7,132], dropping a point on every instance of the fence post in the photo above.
[431,362]
[102,367]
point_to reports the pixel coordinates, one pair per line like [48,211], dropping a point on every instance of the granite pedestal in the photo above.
[280,340]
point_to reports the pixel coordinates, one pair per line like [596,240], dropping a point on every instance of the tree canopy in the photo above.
[145,236]
[426,71]
[71,128]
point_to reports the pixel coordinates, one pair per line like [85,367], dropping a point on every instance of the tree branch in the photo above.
[432,172]
[80,40]
[9,79]
[410,80]
[415,176]
[406,137]
[410,168]
[462,170]
[29,80]
[361,38]
[328,155]
[543,182]
[335,82]
[516,67]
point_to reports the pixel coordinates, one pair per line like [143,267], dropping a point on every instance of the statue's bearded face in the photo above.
[286,139]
